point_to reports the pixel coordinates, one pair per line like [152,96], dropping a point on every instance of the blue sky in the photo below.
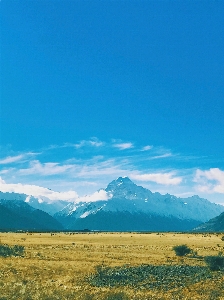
[93,90]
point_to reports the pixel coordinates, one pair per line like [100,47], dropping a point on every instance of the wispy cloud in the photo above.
[109,167]
[165,155]
[160,178]
[11,159]
[45,169]
[93,142]
[20,158]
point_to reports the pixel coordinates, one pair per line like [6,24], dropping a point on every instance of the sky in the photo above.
[94,90]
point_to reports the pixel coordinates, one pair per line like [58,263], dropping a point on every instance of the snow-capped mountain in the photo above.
[166,205]
[129,208]
[45,204]
[41,202]
[132,207]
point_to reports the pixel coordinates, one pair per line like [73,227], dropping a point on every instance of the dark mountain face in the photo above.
[126,221]
[214,225]
[18,215]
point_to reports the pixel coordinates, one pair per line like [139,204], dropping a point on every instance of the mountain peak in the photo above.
[124,179]
[119,183]
[124,188]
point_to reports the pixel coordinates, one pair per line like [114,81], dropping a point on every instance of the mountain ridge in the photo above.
[126,198]
[128,207]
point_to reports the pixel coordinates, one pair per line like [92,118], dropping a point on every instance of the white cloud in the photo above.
[36,191]
[210,181]
[11,159]
[160,178]
[123,146]
[99,195]
[146,148]
[45,169]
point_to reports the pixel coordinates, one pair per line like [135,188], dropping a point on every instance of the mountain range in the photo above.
[129,207]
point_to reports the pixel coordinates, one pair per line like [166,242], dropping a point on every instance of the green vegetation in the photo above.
[16,250]
[215,263]
[182,250]
[165,277]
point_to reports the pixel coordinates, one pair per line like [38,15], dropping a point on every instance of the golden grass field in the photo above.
[56,265]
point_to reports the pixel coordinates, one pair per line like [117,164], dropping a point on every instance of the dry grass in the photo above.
[55,266]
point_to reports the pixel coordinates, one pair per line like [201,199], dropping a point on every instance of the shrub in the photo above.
[215,263]
[6,250]
[182,250]
[222,238]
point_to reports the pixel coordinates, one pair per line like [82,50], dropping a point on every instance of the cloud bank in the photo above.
[160,178]
[210,181]
[38,191]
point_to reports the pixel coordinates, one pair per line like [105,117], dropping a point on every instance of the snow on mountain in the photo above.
[125,197]
[45,204]
[41,202]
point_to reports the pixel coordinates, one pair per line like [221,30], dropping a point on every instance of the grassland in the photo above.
[60,265]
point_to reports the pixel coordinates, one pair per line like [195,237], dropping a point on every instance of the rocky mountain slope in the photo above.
[214,225]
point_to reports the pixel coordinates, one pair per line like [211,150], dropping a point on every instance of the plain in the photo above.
[59,265]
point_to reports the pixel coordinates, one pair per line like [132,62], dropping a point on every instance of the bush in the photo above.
[222,238]
[6,250]
[215,263]
[182,250]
